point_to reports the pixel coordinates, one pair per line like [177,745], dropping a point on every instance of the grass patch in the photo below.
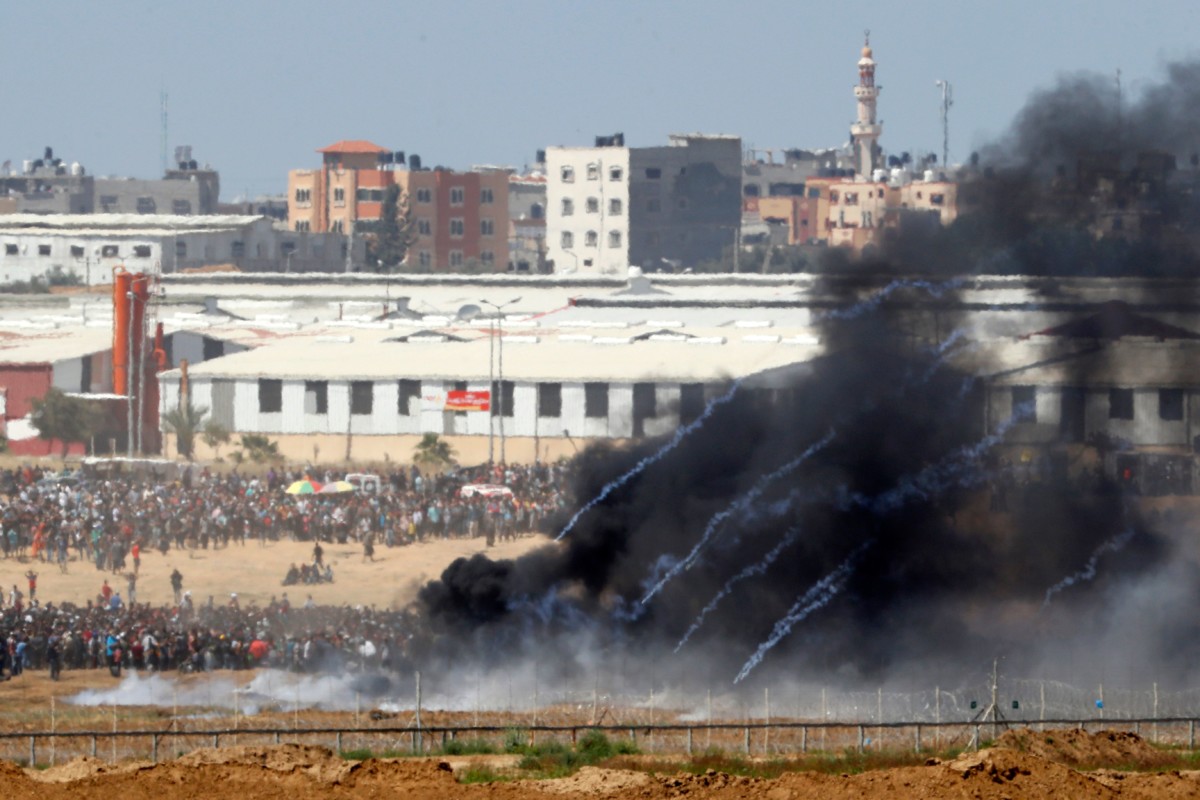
[468,747]
[482,775]
[363,753]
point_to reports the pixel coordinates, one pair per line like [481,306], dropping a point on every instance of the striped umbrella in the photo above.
[306,486]
[337,487]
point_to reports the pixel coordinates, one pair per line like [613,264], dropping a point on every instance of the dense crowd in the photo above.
[107,523]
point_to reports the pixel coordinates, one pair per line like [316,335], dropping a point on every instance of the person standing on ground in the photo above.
[177,585]
[32,577]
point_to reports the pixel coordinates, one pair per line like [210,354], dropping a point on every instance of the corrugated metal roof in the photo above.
[47,347]
[49,223]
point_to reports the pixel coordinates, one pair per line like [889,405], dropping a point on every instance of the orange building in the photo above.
[461,217]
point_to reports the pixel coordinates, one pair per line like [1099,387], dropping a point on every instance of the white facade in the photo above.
[587,213]
[238,404]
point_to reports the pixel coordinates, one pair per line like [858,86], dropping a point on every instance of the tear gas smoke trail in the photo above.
[740,504]
[749,572]
[658,455]
[816,598]
[1089,570]
[874,301]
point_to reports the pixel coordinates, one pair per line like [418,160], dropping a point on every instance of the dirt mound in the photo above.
[319,763]
[1078,748]
[83,767]
[593,781]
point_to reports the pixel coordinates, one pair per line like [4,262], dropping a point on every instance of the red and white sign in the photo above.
[468,401]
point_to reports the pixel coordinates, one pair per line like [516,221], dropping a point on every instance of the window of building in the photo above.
[339,196]
[362,397]
[591,239]
[645,406]
[237,249]
[691,402]
[614,238]
[456,258]
[10,249]
[487,257]
[304,196]
[106,251]
[1120,403]
[593,172]
[108,202]
[595,400]
[593,205]
[549,399]
[457,227]
[460,386]
[181,207]
[653,205]
[1170,404]
[337,226]
[44,249]
[141,251]
[615,173]
[487,227]
[367,196]
[653,173]
[270,396]
[486,196]
[458,195]
[410,390]
[568,241]
[750,190]
[76,251]
[1024,403]
[568,174]
[146,205]
[568,207]
[316,397]
[502,398]
[303,226]
[536,211]
[213,348]
[615,207]
[424,228]
[851,198]
[424,196]
[937,199]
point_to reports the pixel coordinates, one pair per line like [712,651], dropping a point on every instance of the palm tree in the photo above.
[433,453]
[185,422]
[215,435]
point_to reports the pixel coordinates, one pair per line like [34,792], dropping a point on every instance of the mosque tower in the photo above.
[864,133]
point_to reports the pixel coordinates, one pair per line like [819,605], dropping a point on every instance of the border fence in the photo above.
[776,738]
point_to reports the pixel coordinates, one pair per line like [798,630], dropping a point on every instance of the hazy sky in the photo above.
[256,86]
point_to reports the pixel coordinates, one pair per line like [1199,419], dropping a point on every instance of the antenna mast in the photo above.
[947,101]
[162,97]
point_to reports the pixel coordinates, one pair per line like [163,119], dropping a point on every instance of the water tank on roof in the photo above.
[27,166]
[49,153]
[76,168]
[930,176]
[879,175]
[541,156]
[414,162]
[192,165]
[398,157]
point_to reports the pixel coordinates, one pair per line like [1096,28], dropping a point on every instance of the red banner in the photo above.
[468,401]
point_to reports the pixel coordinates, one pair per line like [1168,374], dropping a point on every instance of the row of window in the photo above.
[590,239]
[549,398]
[457,258]
[1120,404]
[458,227]
[592,206]
[77,251]
[593,173]
[364,195]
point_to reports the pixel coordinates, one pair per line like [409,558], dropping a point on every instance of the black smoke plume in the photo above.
[945,571]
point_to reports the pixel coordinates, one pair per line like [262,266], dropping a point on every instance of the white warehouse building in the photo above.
[373,394]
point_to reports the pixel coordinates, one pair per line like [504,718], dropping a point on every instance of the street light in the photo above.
[493,383]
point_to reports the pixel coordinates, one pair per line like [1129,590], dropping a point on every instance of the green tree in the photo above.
[392,234]
[215,435]
[185,422]
[259,449]
[433,453]
[68,419]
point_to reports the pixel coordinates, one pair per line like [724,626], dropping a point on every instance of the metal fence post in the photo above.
[32,752]
[1192,734]
[804,739]
[746,742]
[94,745]
[689,740]
[339,743]
[862,738]
[917,747]
[154,748]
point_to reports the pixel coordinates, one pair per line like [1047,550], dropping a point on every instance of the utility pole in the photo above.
[947,101]
[500,369]
[162,98]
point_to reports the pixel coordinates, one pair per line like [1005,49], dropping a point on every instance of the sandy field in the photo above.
[256,572]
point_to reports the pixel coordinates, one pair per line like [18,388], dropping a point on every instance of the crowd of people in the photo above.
[106,524]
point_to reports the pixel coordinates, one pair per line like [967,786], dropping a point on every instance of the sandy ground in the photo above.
[256,572]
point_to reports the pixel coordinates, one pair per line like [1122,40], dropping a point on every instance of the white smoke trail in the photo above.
[739,505]
[638,468]
[874,301]
[749,572]
[816,598]
[1088,572]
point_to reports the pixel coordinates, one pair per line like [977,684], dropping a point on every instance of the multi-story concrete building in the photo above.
[610,207]
[49,186]
[461,218]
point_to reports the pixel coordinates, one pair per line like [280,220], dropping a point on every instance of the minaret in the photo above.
[864,133]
